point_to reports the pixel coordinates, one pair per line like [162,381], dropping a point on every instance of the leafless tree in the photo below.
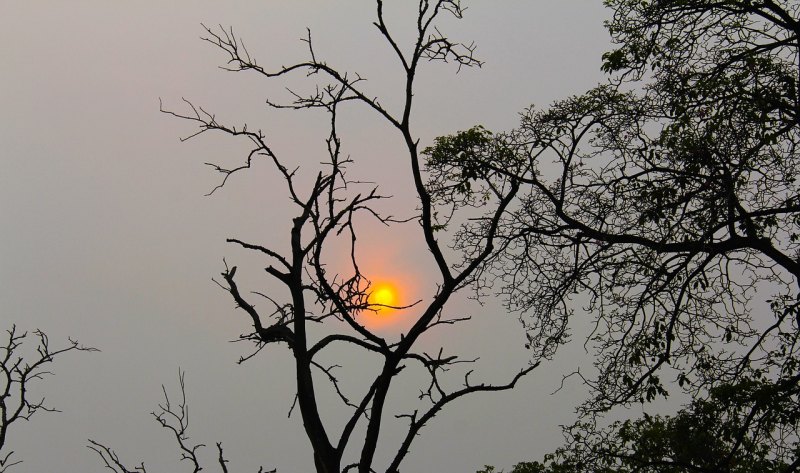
[20,373]
[327,210]
[174,418]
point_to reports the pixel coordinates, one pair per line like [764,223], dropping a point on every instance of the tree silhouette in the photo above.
[738,428]
[175,419]
[324,309]
[669,207]
[669,198]
[19,373]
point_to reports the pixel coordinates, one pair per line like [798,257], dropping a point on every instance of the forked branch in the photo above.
[19,372]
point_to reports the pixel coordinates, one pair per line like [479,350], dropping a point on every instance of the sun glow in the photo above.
[383,297]
[385,312]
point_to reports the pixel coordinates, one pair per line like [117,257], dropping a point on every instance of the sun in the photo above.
[386,304]
[383,294]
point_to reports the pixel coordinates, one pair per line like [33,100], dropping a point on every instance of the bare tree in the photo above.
[174,418]
[328,210]
[20,372]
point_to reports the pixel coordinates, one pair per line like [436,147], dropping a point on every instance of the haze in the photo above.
[106,234]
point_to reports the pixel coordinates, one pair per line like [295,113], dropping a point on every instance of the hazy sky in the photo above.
[106,235]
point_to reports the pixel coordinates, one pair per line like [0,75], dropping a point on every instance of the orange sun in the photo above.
[383,313]
[383,294]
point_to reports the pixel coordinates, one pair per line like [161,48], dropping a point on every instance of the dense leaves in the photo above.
[668,199]
[751,426]
[747,427]
[670,207]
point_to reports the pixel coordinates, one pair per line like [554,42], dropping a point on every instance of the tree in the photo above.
[175,419]
[669,206]
[324,309]
[669,198]
[738,429]
[20,372]
[524,467]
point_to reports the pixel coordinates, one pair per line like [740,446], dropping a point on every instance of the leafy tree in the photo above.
[669,197]
[739,428]
[19,373]
[669,206]
[524,467]
[324,309]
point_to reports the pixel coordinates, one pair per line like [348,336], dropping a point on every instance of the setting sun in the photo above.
[384,294]
[386,311]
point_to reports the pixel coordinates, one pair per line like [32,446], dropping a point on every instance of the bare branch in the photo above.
[416,423]
[111,460]
[19,373]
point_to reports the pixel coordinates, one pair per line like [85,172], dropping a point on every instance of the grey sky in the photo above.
[106,235]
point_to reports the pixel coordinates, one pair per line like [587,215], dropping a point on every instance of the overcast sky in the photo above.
[106,235]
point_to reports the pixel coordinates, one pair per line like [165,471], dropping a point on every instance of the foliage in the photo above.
[739,428]
[670,206]
[669,198]
[523,467]
[456,162]
[735,430]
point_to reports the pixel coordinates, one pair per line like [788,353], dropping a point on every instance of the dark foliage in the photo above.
[669,198]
